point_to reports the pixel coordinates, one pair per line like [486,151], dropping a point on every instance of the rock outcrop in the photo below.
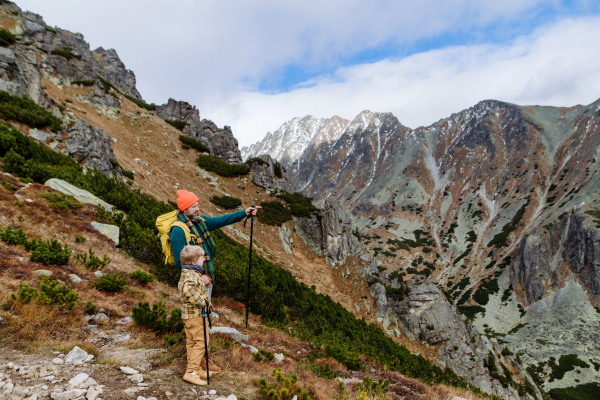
[571,244]
[92,147]
[58,55]
[329,233]
[426,315]
[265,175]
[220,141]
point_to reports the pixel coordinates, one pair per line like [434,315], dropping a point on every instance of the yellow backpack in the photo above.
[165,223]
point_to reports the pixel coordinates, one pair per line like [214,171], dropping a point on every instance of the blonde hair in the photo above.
[191,254]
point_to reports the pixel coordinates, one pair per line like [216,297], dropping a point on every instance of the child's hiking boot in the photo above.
[212,367]
[202,373]
[193,377]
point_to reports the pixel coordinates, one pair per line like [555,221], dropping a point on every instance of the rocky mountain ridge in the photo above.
[491,203]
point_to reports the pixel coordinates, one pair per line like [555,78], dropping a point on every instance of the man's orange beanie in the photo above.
[185,199]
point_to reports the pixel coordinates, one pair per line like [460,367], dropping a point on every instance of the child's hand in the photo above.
[207,280]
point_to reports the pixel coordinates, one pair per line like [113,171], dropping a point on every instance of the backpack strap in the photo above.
[186,230]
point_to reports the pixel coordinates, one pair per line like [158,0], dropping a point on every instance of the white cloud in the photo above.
[557,65]
[214,53]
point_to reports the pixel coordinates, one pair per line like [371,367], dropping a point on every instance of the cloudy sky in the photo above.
[256,64]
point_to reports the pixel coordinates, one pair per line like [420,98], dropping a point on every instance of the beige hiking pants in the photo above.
[194,336]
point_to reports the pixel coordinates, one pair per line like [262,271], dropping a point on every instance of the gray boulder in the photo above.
[92,147]
[329,233]
[81,195]
[76,355]
[110,231]
[220,141]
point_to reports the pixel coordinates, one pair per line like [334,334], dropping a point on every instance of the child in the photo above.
[192,290]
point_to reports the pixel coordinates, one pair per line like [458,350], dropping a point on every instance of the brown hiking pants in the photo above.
[194,336]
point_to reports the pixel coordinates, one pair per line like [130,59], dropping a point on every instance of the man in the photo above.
[200,226]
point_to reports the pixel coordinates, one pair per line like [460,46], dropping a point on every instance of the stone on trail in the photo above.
[74,278]
[132,390]
[76,355]
[42,272]
[279,357]
[137,378]
[98,274]
[92,394]
[129,371]
[58,361]
[78,381]
[82,195]
[232,397]
[89,358]
[125,321]
[110,231]
[213,392]
[69,394]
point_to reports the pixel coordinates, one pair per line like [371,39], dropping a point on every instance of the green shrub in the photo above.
[111,283]
[55,293]
[220,167]
[50,252]
[79,239]
[156,319]
[24,110]
[261,355]
[90,308]
[128,174]
[64,202]
[13,237]
[174,339]
[566,363]
[481,296]
[91,261]
[227,202]
[258,160]
[507,352]
[588,391]
[141,276]
[470,311]
[176,124]
[66,54]
[499,240]
[83,82]
[7,186]
[6,38]
[139,103]
[324,371]
[24,294]
[50,293]
[277,170]
[273,213]
[299,204]
[194,144]
[374,389]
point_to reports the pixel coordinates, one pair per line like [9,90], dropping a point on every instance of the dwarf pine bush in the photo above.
[141,276]
[111,283]
[273,213]
[91,261]
[25,110]
[13,237]
[50,293]
[227,202]
[220,167]
[64,202]
[50,252]
[156,319]
[6,38]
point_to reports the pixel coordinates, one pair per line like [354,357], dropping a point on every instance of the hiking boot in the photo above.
[202,373]
[192,377]
[211,367]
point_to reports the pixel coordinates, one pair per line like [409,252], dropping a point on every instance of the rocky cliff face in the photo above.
[328,232]
[426,315]
[220,141]
[264,175]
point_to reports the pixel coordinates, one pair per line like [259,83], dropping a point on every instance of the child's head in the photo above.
[192,255]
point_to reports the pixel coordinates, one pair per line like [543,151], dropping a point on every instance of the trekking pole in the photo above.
[251,216]
[205,344]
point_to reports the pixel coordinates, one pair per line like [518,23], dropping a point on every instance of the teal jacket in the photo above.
[177,238]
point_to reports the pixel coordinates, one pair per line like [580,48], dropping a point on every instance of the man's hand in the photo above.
[251,210]
[207,280]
